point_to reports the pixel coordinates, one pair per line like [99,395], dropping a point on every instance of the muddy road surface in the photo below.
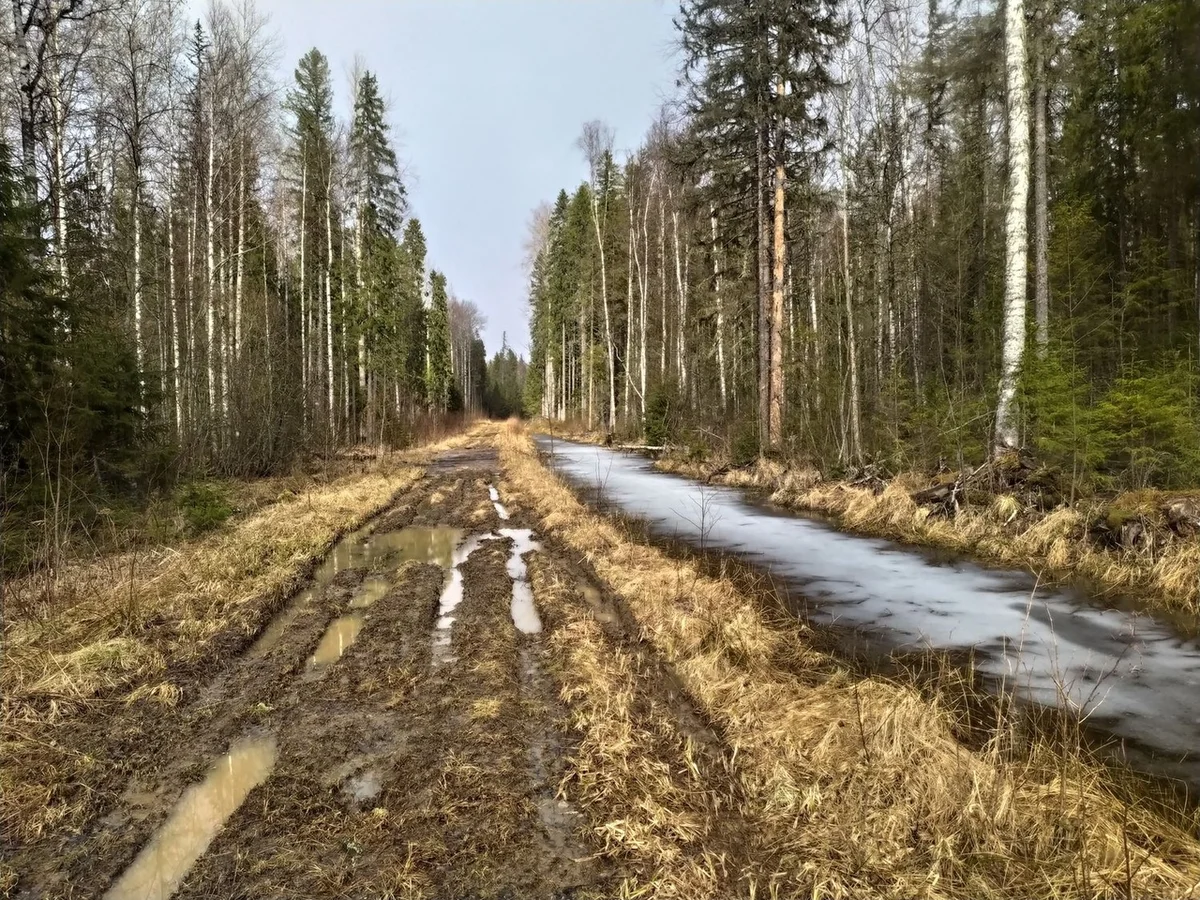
[392,731]
[489,691]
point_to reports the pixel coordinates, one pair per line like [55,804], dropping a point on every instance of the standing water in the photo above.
[1131,675]
[161,866]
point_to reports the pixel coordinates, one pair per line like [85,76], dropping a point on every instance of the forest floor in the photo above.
[489,691]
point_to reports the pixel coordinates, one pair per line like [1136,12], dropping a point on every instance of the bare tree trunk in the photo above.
[304,339]
[716,265]
[775,421]
[190,300]
[662,284]
[241,252]
[851,337]
[329,296]
[175,353]
[27,74]
[58,173]
[644,292]
[1040,190]
[362,300]
[608,334]
[628,316]
[210,272]
[680,362]
[136,203]
[764,276]
[1016,238]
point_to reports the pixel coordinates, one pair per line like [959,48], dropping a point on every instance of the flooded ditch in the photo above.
[1132,677]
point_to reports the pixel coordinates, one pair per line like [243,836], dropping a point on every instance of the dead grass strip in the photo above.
[859,784]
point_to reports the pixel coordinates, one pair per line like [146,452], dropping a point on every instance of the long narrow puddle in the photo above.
[337,639]
[501,511]
[159,869]
[452,596]
[524,613]
[163,863]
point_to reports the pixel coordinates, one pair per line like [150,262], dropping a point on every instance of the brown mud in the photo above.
[380,772]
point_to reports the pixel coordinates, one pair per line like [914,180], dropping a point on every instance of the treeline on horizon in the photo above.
[907,234]
[204,270]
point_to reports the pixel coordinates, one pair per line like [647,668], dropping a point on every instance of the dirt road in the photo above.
[489,692]
[392,732]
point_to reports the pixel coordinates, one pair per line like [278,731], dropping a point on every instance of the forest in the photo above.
[835,534]
[894,235]
[205,271]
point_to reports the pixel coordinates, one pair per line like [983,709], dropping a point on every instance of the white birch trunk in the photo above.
[241,253]
[210,273]
[1016,237]
[716,264]
[1041,195]
[175,351]
[680,366]
[851,338]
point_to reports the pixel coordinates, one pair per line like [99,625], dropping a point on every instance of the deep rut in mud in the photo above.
[391,731]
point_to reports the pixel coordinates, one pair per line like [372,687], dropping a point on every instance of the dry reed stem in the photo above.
[859,784]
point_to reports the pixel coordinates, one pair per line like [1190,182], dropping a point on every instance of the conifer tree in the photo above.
[439,373]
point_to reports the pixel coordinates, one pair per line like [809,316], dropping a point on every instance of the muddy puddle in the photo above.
[501,511]
[372,591]
[524,613]
[163,863]
[337,639]
[452,596]
[1133,676]
[366,548]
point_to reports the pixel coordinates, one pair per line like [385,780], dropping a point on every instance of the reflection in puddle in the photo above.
[524,613]
[372,590]
[337,639]
[420,544]
[495,495]
[159,869]
[363,548]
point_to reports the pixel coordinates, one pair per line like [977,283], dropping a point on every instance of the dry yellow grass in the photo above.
[87,631]
[859,785]
[115,626]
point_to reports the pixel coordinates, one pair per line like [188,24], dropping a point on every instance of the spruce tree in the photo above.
[439,374]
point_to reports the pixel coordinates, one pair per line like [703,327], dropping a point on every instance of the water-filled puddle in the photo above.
[388,550]
[160,868]
[595,600]
[1133,676]
[524,613]
[372,590]
[337,639]
[452,595]
[495,495]
[420,544]
[364,786]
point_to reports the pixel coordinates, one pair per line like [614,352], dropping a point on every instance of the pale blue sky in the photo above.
[487,97]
